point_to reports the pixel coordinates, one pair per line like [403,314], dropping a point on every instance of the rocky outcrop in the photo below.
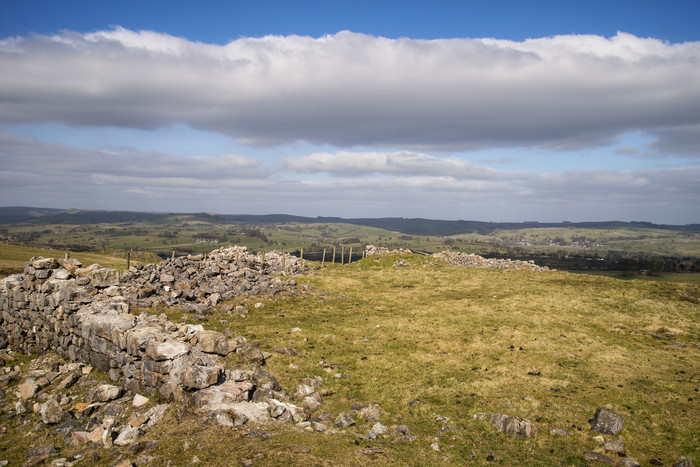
[470,260]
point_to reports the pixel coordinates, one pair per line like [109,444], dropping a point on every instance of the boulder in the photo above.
[607,422]
[344,420]
[212,342]
[200,377]
[52,413]
[168,350]
[104,393]
[225,393]
[104,277]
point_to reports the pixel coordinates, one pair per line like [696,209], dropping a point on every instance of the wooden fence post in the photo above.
[333,256]
[342,254]
[173,254]
[128,259]
[323,259]
[284,260]
[350,256]
[301,256]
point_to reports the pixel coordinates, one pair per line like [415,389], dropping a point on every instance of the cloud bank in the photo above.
[349,89]
[371,184]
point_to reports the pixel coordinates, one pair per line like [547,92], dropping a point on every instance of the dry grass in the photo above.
[465,341]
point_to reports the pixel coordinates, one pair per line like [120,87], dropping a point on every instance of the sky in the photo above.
[493,111]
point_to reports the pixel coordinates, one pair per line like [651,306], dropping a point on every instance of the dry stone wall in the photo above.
[84,315]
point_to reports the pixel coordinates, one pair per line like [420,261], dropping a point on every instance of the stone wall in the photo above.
[84,315]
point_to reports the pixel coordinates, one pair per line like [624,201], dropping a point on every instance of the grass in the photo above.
[465,341]
[13,258]
[551,347]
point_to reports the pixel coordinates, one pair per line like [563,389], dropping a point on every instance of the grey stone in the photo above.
[629,462]
[104,393]
[104,277]
[38,451]
[594,456]
[128,435]
[251,353]
[684,462]
[27,389]
[212,342]
[225,393]
[200,377]
[344,420]
[52,413]
[168,350]
[607,422]
[616,446]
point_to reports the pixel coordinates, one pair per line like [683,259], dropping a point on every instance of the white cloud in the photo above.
[410,185]
[352,89]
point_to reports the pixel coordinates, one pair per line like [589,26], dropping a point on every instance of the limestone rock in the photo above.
[594,456]
[200,377]
[344,420]
[52,413]
[607,422]
[104,393]
[616,446]
[168,350]
[104,277]
[212,342]
[510,425]
[225,393]
[27,389]
[251,353]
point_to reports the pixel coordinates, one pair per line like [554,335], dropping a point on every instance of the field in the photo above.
[550,347]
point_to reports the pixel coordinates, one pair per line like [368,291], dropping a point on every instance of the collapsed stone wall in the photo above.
[83,314]
[471,260]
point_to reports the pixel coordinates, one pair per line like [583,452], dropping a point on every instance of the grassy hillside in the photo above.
[550,347]
[430,340]
[13,258]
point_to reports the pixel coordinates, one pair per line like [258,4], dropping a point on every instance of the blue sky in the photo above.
[502,111]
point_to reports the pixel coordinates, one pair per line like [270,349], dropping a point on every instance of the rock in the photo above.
[104,393]
[303,390]
[370,414]
[285,350]
[212,342]
[379,429]
[344,420]
[39,451]
[139,401]
[401,430]
[616,446]
[684,462]
[318,426]
[168,350]
[594,456]
[559,432]
[128,435]
[27,389]
[447,429]
[67,382]
[312,402]
[200,377]
[607,422]
[52,413]
[629,462]
[226,393]
[510,425]
[104,277]
[251,353]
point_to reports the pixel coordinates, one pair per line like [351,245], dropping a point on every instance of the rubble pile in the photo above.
[470,260]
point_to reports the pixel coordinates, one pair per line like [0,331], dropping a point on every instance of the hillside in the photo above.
[430,345]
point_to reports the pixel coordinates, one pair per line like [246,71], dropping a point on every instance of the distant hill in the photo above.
[417,226]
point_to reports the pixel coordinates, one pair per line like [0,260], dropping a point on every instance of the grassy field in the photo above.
[550,347]
[13,258]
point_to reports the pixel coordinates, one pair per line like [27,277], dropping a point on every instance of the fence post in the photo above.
[342,254]
[350,256]
[263,257]
[301,256]
[173,254]
[284,260]
[323,260]
[333,256]
[128,259]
